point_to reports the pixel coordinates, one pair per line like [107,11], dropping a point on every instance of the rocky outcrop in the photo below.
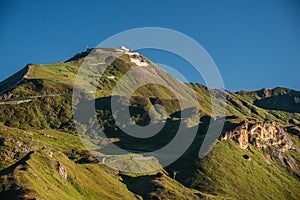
[62,171]
[271,139]
[260,135]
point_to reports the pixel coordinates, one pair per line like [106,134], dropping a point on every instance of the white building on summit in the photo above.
[124,48]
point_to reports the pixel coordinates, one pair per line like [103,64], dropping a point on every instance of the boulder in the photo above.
[62,171]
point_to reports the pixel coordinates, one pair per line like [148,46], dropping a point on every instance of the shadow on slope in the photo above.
[289,102]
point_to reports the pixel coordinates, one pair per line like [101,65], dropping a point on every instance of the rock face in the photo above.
[62,171]
[261,135]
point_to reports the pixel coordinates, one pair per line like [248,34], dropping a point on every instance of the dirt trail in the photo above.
[25,99]
[15,102]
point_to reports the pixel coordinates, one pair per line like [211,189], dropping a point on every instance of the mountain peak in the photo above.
[83,54]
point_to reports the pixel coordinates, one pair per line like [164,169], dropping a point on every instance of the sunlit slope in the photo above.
[37,119]
[53,165]
[233,173]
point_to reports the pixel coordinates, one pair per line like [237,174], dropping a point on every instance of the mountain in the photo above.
[42,155]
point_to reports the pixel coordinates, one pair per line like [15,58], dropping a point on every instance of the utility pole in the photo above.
[175,173]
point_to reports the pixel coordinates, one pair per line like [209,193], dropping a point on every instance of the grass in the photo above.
[41,179]
[160,186]
[84,181]
[45,124]
[227,174]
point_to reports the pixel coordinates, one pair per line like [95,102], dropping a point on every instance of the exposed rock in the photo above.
[271,139]
[297,100]
[261,135]
[7,96]
[25,149]
[62,171]
[50,153]
[203,197]
[19,143]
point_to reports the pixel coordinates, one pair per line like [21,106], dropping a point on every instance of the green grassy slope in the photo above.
[29,169]
[226,173]
[37,175]
[161,186]
[44,124]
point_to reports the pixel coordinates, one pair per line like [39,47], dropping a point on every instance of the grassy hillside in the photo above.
[228,173]
[160,186]
[38,141]
[30,162]
[36,174]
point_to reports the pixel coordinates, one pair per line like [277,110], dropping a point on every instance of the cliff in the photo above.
[260,135]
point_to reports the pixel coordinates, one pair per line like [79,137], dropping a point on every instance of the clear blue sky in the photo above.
[254,43]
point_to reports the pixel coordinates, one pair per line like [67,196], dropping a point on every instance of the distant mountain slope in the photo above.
[282,99]
[289,102]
